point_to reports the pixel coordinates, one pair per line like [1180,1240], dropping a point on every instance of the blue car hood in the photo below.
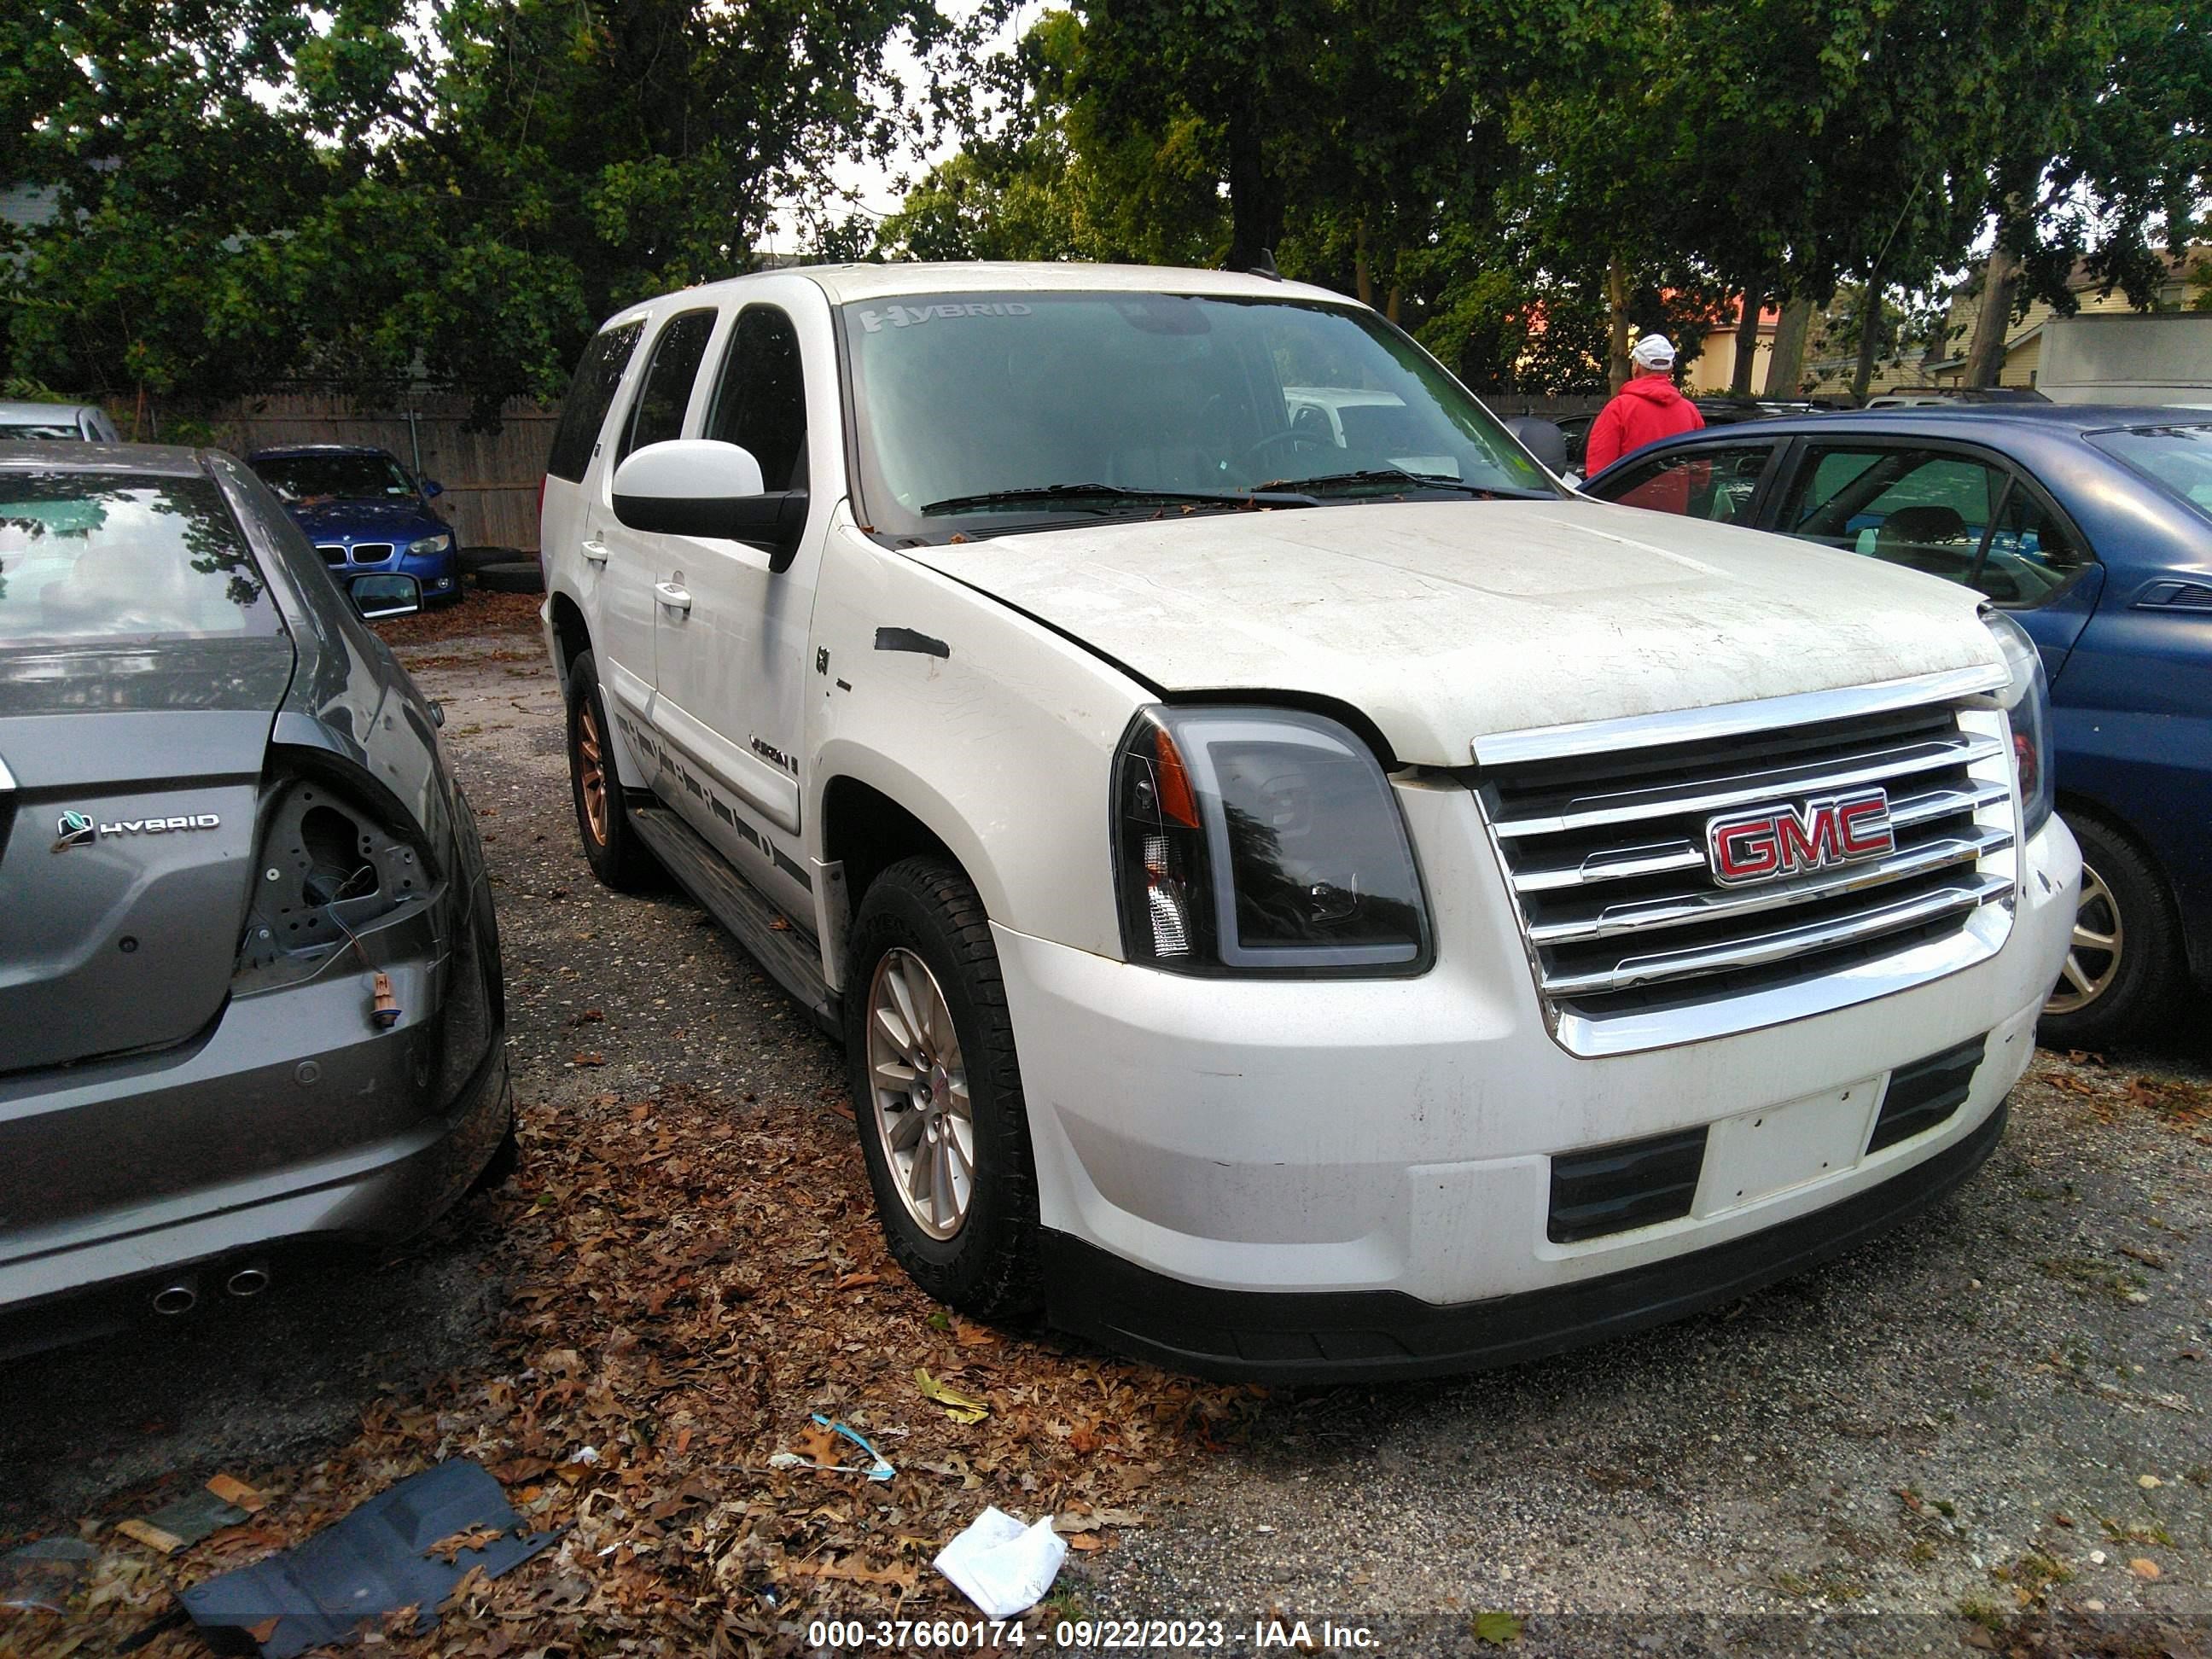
[373,520]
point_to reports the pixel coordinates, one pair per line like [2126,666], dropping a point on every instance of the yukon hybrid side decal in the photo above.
[78,830]
[1769,843]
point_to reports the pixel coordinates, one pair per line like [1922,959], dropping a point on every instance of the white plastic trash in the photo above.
[1002,1566]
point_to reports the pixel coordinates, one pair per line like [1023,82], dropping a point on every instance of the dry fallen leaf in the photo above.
[2143,1567]
[960,1408]
[448,1548]
[237,1494]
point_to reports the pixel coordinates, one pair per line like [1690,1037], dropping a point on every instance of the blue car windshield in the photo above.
[984,409]
[303,478]
[87,555]
[2177,457]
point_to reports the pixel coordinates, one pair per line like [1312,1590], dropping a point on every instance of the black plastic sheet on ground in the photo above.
[380,1559]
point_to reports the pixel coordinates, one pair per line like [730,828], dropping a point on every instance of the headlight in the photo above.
[1261,841]
[2027,703]
[431,545]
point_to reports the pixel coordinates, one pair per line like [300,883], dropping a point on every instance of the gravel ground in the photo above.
[1948,1427]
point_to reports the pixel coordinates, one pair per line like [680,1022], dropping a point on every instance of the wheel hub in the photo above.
[2093,953]
[919,1094]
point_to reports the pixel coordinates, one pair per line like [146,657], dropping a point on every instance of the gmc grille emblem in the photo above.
[1771,843]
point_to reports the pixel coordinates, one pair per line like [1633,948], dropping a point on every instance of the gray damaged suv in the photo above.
[249,974]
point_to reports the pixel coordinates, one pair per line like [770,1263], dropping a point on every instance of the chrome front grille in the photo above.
[1635,943]
[332,552]
[371,552]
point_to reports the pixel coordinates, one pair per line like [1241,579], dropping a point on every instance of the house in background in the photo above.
[1713,369]
[2024,340]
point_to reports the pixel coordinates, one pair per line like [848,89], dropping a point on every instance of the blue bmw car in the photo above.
[2090,527]
[365,512]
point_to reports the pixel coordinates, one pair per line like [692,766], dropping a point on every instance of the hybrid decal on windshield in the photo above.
[78,830]
[909,316]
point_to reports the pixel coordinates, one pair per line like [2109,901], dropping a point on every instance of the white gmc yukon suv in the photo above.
[1305,896]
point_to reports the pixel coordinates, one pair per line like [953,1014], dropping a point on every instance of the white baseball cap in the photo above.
[1654,351]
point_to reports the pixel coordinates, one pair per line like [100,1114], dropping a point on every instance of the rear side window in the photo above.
[97,556]
[1926,509]
[665,392]
[1713,483]
[590,395]
[760,404]
[2177,457]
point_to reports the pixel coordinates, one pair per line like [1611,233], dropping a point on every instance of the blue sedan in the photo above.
[2092,527]
[365,512]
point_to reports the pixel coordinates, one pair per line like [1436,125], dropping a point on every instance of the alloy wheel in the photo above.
[591,772]
[918,1084]
[2093,956]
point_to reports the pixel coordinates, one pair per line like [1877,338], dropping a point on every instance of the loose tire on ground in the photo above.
[610,843]
[924,913]
[473,559]
[511,577]
[2125,963]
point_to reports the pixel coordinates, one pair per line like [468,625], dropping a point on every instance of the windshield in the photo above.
[335,477]
[964,399]
[96,556]
[2180,457]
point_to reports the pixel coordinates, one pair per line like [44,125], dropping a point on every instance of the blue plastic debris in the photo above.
[353,1575]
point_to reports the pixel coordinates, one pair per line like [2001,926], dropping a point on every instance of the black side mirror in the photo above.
[381,596]
[432,486]
[1541,439]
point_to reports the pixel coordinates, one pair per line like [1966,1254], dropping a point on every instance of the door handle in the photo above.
[674,598]
[594,552]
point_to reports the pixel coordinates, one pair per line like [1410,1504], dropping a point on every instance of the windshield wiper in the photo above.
[1399,475]
[1107,492]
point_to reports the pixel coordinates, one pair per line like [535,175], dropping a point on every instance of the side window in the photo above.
[1715,484]
[1926,509]
[760,404]
[2031,554]
[665,392]
[584,411]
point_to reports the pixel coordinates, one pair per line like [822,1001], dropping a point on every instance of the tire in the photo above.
[2130,984]
[924,913]
[511,577]
[473,559]
[611,846]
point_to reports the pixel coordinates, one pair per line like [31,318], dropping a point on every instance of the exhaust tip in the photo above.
[180,1297]
[249,1280]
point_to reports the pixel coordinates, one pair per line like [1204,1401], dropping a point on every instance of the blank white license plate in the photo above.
[1756,1154]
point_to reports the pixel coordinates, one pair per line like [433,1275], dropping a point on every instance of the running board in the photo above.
[788,952]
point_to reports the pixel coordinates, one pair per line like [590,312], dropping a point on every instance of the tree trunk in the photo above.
[1363,283]
[1869,337]
[1985,357]
[1746,343]
[1616,299]
[1256,199]
[1785,364]
[1390,306]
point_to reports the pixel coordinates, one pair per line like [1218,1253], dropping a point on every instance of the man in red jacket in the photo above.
[1645,410]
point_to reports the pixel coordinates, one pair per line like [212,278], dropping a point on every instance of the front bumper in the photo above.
[1355,1336]
[1275,1162]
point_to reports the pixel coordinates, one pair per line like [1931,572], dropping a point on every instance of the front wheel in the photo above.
[2124,960]
[936,1092]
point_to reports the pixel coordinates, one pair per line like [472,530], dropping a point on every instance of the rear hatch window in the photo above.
[97,557]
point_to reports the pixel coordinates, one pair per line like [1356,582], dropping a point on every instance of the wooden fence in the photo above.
[491,478]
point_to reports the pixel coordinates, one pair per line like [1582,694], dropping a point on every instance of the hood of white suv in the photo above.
[1450,621]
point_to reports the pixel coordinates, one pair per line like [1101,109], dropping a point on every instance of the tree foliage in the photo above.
[247,190]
